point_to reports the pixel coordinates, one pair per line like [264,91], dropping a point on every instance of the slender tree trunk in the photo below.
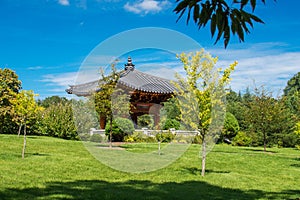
[19,132]
[24,143]
[265,142]
[110,132]
[203,155]
[158,147]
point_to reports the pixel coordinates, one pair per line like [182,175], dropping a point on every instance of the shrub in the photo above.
[171,123]
[139,137]
[197,139]
[165,137]
[120,128]
[97,138]
[182,138]
[290,140]
[145,121]
[242,139]
[57,120]
[85,137]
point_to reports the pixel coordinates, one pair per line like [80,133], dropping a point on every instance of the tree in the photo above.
[292,94]
[235,105]
[171,109]
[121,127]
[201,96]
[170,114]
[58,121]
[225,16]
[231,126]
[9,88]
[267,116]
[24,110]
[48,101]
[85,116]
[110,100]
[145,121]
[293,85]
[293,103]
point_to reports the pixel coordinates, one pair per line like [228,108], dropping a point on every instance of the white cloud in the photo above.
[64,2]
[35,68]
[64,79]
[146,6]
[260,64]
[60,82]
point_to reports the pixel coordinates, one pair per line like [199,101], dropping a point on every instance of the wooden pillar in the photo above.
[155,112]
[102,122]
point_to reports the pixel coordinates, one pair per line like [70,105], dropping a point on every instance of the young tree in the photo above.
[24,110]
[225,16]
[201,96]
[110,100]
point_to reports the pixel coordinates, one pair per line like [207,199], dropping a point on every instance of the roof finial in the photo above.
[129,64]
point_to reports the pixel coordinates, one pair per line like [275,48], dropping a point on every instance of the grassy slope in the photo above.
[55,168]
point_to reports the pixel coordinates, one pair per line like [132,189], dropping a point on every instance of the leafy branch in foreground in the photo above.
[225,18]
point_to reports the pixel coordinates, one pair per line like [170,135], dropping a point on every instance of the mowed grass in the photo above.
[61,169]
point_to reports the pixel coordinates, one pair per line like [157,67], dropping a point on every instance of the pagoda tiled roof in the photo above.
[144,82]
[130,78]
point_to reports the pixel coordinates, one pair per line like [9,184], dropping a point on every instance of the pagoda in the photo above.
[147,92]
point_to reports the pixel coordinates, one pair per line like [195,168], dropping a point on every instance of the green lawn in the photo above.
[60,169]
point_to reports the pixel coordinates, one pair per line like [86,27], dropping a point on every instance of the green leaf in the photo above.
[240,32]
[213,25]
[188,17]
[255,18]
[234,23]
[243,3]
[253,4]
[246,17]
[180,8]
[226,36]
[196,13]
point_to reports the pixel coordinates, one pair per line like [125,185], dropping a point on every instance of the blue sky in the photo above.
[47,42]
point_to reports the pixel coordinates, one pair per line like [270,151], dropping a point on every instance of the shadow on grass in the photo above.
[260,150]
[31,137]
[37,154]
[197,171]
[5,156]
[135,189]
[244,150]
[295,165]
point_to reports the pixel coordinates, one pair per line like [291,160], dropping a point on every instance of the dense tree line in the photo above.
[265,120]
[20,111]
